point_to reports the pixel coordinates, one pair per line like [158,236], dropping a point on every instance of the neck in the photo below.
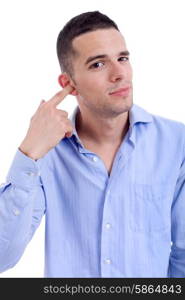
[102,131]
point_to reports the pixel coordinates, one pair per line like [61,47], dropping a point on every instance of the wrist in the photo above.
[28,152]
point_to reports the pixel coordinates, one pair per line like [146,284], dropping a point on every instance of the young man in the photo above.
[110,179]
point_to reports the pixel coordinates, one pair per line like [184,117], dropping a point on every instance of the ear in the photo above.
[64,80]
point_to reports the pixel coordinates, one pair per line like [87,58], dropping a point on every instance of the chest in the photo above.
[108,161]
[107,155]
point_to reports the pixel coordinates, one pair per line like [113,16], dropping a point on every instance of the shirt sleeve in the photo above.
[177,255]
[22,205]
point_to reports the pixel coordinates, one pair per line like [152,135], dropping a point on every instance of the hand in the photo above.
[47,126]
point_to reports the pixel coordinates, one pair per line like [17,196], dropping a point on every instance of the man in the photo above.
[110,179]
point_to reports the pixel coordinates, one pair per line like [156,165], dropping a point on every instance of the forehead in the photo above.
[109,41]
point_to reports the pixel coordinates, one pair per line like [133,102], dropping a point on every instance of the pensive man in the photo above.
[110,179]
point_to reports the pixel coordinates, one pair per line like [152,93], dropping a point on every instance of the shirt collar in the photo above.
[136,115]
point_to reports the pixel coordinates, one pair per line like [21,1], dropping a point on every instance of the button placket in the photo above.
[107,234]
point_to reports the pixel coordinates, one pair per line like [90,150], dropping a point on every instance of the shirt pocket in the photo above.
[149,207]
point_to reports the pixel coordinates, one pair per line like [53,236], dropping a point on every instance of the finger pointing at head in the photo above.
[61,95]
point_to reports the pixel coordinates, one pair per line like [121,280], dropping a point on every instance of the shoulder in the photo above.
[169,127]
[168,123]
[165,125]
[167,131]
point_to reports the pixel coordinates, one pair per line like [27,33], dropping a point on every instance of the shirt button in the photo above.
[108,225]
[16,212]
[95,158]
[31,174]
[108,261]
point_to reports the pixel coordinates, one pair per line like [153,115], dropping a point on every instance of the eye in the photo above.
[95,65]
[125,58]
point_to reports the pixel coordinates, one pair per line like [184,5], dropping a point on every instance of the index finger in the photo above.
[61,95]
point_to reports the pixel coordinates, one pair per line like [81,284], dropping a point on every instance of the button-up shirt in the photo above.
[130,223]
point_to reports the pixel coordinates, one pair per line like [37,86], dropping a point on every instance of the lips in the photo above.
[121,90]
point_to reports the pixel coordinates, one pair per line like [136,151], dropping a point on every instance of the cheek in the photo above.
[89,86]
[129,71]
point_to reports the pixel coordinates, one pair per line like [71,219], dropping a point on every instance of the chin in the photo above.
[124,108]
[126,102]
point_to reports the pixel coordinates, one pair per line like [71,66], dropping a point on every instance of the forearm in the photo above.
[22,205]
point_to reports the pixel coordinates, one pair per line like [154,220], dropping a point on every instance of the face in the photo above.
[102,67]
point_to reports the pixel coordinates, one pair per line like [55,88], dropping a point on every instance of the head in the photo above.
[94,60]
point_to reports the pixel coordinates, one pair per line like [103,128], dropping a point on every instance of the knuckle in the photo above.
[63,127]
[43,107]
[51,111]
[57,95]
[64,113]
[69,123]
[64,122]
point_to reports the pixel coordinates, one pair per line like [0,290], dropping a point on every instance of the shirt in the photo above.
[128,224]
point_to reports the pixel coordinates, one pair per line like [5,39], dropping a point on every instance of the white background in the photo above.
[29,69]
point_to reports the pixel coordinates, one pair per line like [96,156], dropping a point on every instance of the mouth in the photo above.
[121,92]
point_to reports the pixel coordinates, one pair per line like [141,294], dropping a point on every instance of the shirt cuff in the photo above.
[24,171]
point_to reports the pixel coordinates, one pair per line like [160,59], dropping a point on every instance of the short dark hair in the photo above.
[78,25]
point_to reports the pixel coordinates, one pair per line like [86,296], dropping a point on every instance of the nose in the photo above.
[117,72]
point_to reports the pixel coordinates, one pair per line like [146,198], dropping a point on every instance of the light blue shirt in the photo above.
[128,224]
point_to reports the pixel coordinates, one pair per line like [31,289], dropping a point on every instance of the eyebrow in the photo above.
[91,58]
